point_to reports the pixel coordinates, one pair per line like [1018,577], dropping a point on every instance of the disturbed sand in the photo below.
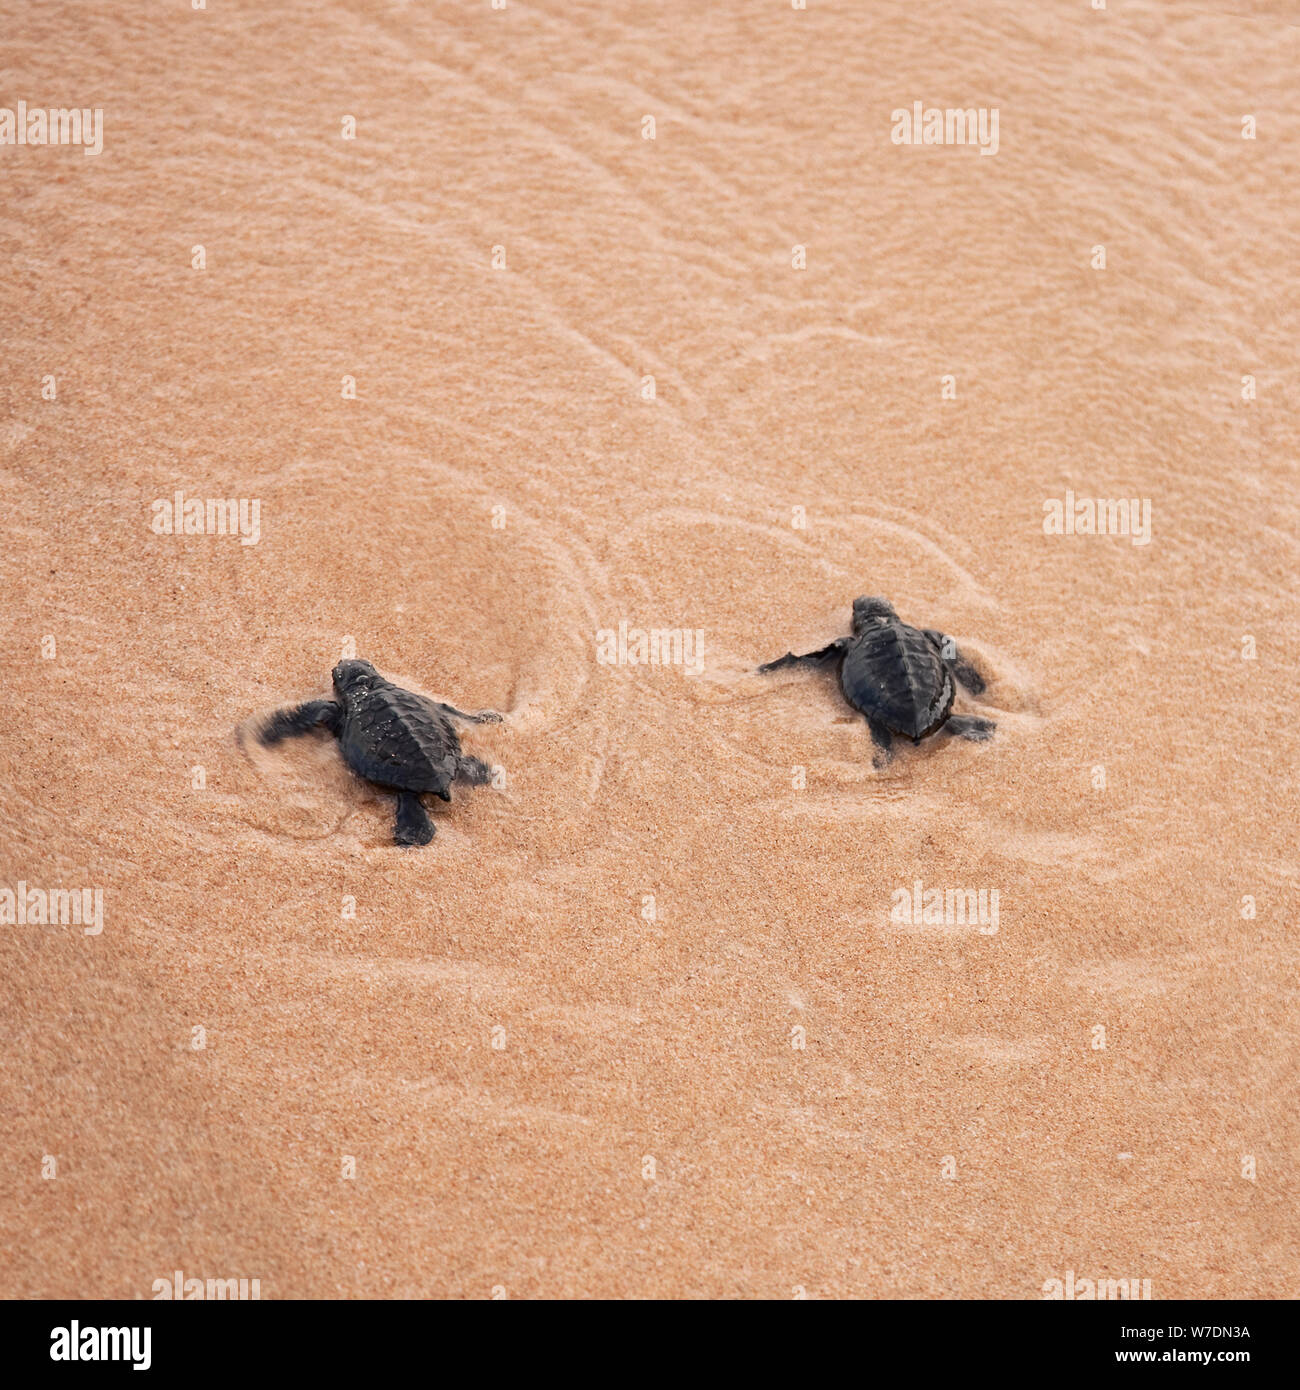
[644,1020]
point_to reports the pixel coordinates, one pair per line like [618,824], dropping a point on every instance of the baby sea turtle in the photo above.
[901,677]
[395,738]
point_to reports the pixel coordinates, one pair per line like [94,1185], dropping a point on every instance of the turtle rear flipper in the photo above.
[971,726]
[413,824]
[474,772]
[884,741]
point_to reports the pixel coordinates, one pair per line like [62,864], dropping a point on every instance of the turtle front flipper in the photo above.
[484,716]
[836,648]
[961,668]
[413,824]
[289,723]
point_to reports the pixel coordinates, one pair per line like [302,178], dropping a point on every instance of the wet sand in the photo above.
[769,1083]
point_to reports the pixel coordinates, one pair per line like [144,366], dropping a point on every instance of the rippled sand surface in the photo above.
[770,1084]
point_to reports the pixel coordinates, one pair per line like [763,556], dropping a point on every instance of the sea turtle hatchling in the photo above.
[395,738]
[901,677]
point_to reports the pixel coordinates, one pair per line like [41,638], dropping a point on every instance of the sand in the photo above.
[645,1021]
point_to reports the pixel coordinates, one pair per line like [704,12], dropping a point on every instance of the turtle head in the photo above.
[352,677]
[869,609]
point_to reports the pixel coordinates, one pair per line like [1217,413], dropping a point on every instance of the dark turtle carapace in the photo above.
[902,678]
[392,737]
